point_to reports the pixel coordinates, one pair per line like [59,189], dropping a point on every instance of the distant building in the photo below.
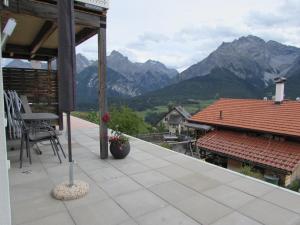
[264,134]
[175,119]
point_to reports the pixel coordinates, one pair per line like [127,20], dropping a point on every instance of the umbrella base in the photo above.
[65,192]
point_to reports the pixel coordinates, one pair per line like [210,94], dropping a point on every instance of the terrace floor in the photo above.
[152,186]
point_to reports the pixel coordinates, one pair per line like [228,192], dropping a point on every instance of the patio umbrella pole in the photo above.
[71,162]
[71,189]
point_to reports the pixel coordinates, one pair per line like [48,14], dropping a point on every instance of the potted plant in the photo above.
[119,145]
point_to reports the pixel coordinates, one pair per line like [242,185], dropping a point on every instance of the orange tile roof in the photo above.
[283,155]
[258,115]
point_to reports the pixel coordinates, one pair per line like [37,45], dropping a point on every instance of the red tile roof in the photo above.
[283,155]
[258,115]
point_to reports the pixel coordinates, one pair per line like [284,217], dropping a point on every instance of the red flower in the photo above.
[106,118]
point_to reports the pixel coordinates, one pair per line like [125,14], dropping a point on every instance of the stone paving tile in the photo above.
[172,191]
[133,168]
[203,209]
[173,171]
[61,170]
[99,213]
[119,162]
[150,178]
[129,222]
[221,175]
[37,208]
[95,193]
[198,182]
[251,186]
[197,167]
[155,150]
[236,218]
[229,196]
[179,159]
[284,199]
[166,216]
[56,219]
[91,165]
[104,174]
[148,165]
[269,214]
[27,191]
[27,174]
[140,202]
[140,156]
[155,163]
[120,185]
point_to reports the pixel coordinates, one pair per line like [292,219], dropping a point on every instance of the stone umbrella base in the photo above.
[65,192]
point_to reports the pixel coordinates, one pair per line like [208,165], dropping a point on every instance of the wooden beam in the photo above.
[23,52]
[85,34]
[48,10]
[45,32]
[102,91]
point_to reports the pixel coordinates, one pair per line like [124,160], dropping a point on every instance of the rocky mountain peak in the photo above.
[117,56]
[250,58]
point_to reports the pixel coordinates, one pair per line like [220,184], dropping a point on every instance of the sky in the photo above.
[181,33]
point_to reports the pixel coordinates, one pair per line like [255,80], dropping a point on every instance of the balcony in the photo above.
[151,186]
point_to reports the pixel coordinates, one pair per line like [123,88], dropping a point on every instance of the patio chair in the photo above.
[25,104]
[32,137]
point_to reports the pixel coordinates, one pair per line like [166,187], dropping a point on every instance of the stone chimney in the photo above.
[279,94]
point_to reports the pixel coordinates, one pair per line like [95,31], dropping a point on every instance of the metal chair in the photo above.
[34,135]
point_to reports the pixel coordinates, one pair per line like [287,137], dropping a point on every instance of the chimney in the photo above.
[279,95]
[221,114]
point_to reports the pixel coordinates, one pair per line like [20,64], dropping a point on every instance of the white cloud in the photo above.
[180,33]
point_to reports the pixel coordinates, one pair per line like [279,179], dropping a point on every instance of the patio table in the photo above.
[30,117]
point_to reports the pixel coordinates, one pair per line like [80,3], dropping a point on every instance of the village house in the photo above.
[175,119]
[264,134]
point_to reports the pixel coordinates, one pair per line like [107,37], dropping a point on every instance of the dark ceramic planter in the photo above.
[119,151]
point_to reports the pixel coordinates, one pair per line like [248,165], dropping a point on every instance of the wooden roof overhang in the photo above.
[36,34]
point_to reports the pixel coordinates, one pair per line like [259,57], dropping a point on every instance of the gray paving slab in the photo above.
[31,190]
[284,199]
[104,174]
[95,194]
[229,196]
[166,216]
[28,174]
[198,182]
[174,171]
[150,178]
[120,185]
[172,191]
[61,170]
[155,163]
[151,186]
[105,212]
[222,175]
[236,218]
[37,208]
[197,167]
[251,186]
[269,214]
[55,219]
[140,156]
[129,222]
[133,168]
[140,202]
[90,165]
[203,209]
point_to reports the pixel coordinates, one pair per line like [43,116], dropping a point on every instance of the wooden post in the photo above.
[102,91]
[5,212]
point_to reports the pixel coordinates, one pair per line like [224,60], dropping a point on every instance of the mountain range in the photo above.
[243,68]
